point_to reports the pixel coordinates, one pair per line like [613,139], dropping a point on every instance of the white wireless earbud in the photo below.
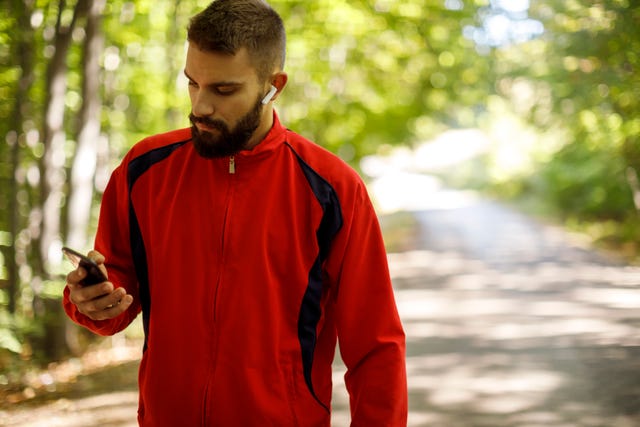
[269,95]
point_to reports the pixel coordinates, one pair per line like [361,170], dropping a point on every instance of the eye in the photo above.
[225,90]
[192,83]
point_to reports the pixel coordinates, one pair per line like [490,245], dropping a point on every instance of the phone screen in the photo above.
[94,274]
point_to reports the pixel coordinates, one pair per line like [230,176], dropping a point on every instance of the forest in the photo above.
[83,80]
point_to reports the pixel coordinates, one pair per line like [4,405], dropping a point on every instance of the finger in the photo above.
[114,298]
[99,300]
[80,294]
[115,309]
[96,256]
[74,277]
[99,259]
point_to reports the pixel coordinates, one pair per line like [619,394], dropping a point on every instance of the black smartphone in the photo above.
[94,274]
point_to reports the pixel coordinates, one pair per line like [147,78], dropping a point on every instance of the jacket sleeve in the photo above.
[112,240]
[370,333]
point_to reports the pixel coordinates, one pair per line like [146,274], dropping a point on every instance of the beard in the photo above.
[226,142]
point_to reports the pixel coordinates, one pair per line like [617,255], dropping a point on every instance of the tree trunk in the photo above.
[84,162]
[53,178]
[634,185]
[53,160]
[23,50]
[174,115]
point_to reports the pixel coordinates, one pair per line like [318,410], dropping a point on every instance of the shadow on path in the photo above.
[512,323]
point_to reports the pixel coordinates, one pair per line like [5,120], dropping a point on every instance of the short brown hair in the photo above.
[229,25]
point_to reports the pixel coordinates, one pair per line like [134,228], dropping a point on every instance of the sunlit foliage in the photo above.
[581,80]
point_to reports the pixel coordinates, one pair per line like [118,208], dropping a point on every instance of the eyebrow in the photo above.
[216,84]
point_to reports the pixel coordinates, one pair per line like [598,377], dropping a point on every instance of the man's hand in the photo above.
[98,302]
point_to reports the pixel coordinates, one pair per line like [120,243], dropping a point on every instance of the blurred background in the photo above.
[532,104]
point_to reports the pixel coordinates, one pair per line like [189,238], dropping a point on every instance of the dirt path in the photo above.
[100,389]
[514,324]
[508,323]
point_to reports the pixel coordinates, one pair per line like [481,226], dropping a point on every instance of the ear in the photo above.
[279,80]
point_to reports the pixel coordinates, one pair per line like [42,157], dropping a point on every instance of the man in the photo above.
[249,251]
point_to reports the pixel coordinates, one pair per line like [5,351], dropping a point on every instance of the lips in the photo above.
[206,128]
[204,124]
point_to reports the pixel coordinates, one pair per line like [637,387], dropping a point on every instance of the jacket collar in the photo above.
[274,138]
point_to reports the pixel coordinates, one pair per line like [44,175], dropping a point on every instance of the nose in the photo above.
[202,103]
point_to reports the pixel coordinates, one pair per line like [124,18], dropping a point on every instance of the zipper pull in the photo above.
[232,165]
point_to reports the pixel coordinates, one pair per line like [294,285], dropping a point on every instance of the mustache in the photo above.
[217,124]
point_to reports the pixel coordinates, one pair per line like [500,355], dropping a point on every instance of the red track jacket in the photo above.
[247,270]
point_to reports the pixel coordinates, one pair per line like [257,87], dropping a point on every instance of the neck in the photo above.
[266,123]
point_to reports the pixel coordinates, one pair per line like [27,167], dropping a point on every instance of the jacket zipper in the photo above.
[214,358]
[232,165]
[230,191]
